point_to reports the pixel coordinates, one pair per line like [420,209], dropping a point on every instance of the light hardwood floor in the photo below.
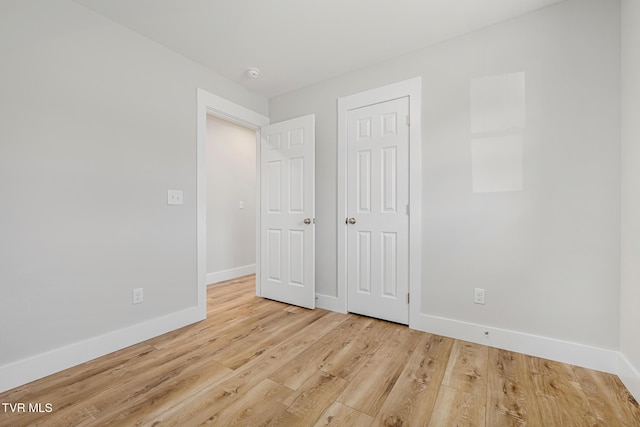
[260,362]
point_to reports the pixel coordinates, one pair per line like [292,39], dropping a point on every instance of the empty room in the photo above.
[432,216]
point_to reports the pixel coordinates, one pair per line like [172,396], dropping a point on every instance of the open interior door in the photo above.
[287,212]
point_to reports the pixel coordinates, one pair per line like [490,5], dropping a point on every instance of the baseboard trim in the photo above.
[330,303]
[630,376]
[24,371]
[232,273]
[549,348]
[611,361]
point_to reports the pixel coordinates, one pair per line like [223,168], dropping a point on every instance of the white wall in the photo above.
[548,256]
[630,290]
[231,178]
[96,123]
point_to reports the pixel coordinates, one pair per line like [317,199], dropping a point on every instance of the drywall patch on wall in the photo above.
[497,118]
[498,102]
[496,164]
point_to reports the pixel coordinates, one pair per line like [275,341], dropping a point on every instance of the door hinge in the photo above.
[407,209]
[408,298]
[408,120]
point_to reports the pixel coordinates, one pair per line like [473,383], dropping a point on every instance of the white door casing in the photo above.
[412,90]
[378,210]
[287,211]
[209,103]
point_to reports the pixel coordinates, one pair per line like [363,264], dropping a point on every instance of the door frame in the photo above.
[412,89]
[208,103]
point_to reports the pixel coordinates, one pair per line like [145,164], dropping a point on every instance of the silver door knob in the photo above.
[351,220]
[307,221]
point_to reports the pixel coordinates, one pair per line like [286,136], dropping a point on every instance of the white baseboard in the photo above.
[630,376]
[330,303]
[27,370]
[221,276]
[562,351]
[36,367]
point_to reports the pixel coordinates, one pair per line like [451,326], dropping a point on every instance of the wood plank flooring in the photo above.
[258,362]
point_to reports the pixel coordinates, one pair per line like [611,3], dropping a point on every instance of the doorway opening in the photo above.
[209,104]
[231,200]
[284,202]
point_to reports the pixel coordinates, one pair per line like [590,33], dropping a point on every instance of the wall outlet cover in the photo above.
[174,197]
[138,295]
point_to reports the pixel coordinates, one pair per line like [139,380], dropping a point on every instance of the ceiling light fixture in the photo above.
[253,72]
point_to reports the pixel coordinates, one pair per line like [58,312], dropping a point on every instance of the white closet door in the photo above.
[377,209]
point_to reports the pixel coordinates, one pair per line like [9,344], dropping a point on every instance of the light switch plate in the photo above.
[174,197]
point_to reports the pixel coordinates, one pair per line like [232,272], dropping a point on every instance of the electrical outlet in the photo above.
[478,296]
[138,296]
[241,204]
[174,197]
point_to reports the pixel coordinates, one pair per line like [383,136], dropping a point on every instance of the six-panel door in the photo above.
[287,240]
[377,209]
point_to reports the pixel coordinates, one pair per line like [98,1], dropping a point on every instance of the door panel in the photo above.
[287,243]
[274,186]
[363,184]
[377,200]
[363,262]
[389,264]
[274,254]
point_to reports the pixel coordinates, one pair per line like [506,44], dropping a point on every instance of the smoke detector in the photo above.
[253,72]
